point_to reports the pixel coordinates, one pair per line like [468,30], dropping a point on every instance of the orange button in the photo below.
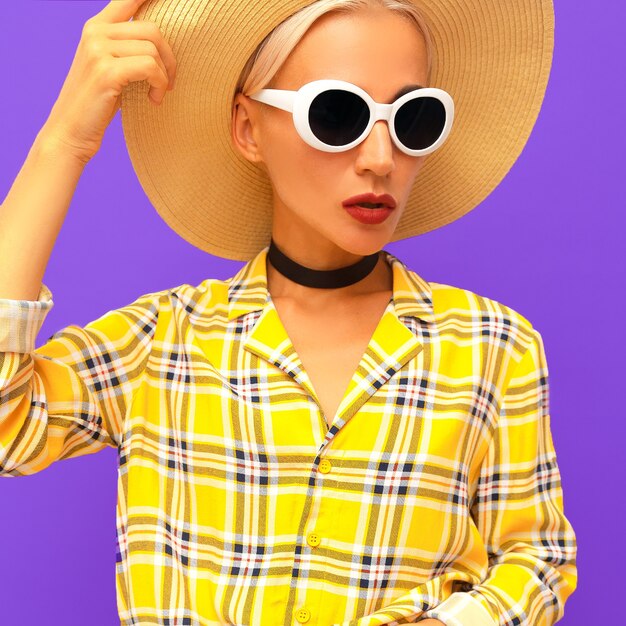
[325,466]
[303,615]
[313,539]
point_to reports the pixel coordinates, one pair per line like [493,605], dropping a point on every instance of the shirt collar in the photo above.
[247,289]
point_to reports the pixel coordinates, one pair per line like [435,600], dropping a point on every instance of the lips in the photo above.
[385,199]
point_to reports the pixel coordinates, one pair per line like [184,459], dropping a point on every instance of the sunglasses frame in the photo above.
[298,103]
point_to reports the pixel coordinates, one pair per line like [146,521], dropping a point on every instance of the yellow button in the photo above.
[313,539]
[303,615]
[325,466]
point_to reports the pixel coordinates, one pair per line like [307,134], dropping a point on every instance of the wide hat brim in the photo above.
[493,57]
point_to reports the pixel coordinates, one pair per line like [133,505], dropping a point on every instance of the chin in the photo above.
[363,245]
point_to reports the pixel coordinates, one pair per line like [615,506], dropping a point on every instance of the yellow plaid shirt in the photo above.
[434,493]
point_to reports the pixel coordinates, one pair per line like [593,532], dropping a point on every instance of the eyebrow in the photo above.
[404,90]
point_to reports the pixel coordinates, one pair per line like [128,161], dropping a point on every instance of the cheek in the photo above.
[407,172]
[417,164]
[300,172]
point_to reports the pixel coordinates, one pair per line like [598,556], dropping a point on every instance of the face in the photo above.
[380,52]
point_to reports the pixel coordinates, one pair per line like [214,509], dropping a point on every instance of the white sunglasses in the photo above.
[335,115]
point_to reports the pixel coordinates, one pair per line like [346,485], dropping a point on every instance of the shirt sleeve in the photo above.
[68,397]
[518,510]
[21,321]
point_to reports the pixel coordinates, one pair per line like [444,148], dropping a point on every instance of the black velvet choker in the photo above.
[323,279]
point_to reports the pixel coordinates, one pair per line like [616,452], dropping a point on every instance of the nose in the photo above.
[375,152]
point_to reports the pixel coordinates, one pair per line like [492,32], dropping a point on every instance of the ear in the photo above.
[245,129]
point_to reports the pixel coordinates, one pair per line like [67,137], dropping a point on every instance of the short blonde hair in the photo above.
[273,51]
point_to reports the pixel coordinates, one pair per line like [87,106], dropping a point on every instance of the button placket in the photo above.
[313,539]
[303,615]
[325,466]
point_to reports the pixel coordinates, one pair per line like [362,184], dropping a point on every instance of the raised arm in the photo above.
[112,52]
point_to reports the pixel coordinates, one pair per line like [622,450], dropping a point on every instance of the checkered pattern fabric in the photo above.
[435,492]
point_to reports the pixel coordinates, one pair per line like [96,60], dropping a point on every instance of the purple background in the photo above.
[545,243]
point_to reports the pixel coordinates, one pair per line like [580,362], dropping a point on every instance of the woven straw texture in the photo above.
[493,57]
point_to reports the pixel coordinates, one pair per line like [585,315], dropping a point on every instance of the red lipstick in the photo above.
[357,207]
[371,198]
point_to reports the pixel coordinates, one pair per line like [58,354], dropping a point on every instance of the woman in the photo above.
[325,437]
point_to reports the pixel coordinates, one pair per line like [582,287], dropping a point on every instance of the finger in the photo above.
[118,11]
[147,31]
[132,48]
[143,68]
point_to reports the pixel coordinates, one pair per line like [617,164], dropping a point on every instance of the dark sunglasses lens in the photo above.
[338,117]
[420,122]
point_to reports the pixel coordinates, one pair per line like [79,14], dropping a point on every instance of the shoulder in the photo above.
[463,309]
[448,299]
[206,298]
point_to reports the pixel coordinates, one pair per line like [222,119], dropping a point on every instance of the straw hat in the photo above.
[493,58]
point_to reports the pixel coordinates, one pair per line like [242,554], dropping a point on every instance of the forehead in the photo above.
[375,49]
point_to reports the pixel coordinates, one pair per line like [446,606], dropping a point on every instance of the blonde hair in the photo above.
[273,51]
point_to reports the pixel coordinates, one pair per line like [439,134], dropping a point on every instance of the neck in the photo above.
[279,286]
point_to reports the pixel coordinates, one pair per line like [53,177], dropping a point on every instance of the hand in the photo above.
[431,621]
[112,52]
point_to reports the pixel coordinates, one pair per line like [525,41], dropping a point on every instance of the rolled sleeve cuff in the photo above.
[21,321]
[461,609]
